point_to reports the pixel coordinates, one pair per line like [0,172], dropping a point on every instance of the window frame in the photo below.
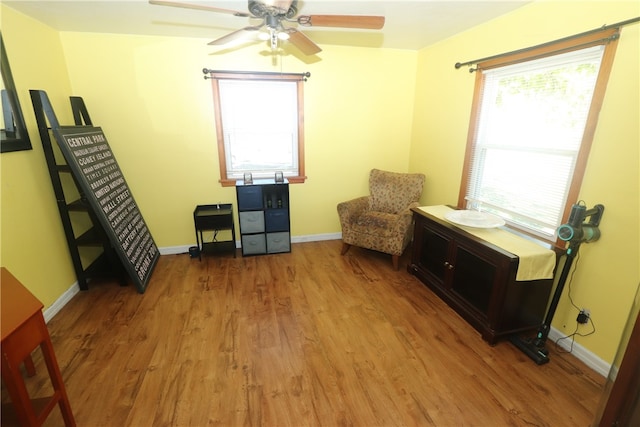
[608,38]
[299,79]
[18,138]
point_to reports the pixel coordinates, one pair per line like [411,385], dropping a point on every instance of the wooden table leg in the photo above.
[16,349]
[29,366]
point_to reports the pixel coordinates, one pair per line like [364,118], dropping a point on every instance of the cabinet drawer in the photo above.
[214,222]
[276,220]
[249,198]
[251,222]
[253,244]
[278,242]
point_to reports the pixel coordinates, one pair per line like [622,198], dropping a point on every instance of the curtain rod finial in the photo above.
[458,65]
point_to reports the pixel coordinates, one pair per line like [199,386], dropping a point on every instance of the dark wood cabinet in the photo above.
[476,278]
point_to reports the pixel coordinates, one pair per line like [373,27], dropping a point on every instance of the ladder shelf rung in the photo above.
[80,205]
[90,237]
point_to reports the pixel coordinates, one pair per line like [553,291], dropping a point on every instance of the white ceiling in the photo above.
[409,24]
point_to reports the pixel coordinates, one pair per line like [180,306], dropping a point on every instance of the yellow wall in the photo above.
[149,96]
[364,108]
[608,272]
[33,246]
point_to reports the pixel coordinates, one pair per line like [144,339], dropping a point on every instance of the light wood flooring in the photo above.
[306,338]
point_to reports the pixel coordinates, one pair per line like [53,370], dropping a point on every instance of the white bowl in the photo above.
[474,219]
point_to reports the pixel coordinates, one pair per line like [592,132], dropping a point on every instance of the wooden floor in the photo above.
[306,338]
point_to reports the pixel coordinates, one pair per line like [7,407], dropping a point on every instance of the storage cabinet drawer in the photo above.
[278,242]
[249,198]
[251,222]
[253,244]
[213,217]
[276,220]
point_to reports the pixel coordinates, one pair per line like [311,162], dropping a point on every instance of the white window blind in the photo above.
[529,129]
[260,127]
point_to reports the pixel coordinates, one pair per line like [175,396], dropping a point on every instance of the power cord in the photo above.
[575,266]
[575,333]
[559,348]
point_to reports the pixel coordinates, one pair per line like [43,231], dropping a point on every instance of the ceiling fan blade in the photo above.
[343,21]
[302,42]
[234,36]
[198,7]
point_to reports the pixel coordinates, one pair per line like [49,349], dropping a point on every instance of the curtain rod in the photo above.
[526,49]
[206,71]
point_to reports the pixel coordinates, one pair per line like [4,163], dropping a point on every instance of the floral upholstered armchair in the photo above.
[383,220]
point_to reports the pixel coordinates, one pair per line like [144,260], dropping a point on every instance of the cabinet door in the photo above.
[473,278]
[434,253]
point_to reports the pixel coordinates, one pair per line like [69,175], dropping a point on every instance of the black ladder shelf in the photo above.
[82,245]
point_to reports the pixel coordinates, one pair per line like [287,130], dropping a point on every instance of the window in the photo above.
[531,128]
[13,132]
[259,125]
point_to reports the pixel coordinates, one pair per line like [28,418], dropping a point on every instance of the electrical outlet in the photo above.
[583,316]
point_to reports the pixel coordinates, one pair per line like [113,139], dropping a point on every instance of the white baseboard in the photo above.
[54,308]
[183,249]
[316,237]
[584,355]
[174,250]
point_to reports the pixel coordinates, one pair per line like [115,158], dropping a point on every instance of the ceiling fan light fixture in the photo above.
[273,13]
[273,36]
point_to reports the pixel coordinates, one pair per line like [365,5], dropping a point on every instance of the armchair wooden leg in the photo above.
[395,259]
[345,248]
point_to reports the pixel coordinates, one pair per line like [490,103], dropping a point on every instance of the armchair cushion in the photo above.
[392,192]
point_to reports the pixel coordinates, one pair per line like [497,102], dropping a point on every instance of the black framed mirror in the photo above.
[14,136]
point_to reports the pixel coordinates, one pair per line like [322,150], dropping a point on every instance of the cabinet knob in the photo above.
[448,265]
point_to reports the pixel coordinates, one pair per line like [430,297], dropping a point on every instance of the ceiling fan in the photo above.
[274,14]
